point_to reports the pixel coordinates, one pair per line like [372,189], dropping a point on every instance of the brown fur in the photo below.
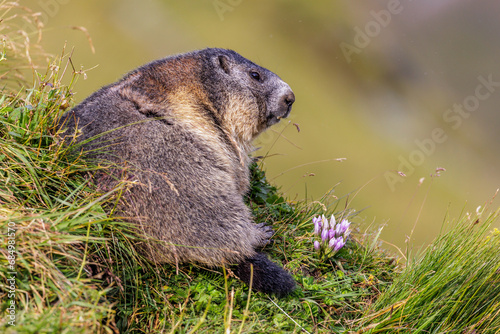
[181,131]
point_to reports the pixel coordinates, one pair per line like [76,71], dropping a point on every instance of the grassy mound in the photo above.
[72,268]
[75,269]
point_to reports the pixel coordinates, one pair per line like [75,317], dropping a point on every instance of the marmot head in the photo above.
[242,98]
[246,97]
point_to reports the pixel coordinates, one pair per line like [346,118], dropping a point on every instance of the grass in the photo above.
[77,269]
[453,286]
[74,267]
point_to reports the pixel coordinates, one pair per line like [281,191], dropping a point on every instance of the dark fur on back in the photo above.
[180,130]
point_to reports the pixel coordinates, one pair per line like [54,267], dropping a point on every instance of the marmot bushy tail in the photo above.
[179,130]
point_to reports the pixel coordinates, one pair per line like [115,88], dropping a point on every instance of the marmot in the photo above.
[181,128]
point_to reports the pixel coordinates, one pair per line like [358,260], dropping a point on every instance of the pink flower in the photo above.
[317,225]
[339,243]
[344,226]
[324,235]
[332,221]
[331,233]
[338,231]
[332,243]
[325,222]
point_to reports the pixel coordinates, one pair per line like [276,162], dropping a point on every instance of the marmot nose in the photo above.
[289,99]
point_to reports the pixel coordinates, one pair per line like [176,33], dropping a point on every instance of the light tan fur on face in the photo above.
[240,124]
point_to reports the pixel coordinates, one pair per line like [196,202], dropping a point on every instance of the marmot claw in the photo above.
[268,232]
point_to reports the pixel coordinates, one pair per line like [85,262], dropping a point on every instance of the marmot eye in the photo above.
[255,75]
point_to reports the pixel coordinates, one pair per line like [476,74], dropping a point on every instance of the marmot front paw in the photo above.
[267,233]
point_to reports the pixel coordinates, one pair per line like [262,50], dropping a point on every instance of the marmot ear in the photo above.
[224,63]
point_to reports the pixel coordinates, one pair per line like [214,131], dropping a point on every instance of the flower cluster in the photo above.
[332,235]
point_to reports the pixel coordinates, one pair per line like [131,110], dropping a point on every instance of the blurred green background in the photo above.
[379,83]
